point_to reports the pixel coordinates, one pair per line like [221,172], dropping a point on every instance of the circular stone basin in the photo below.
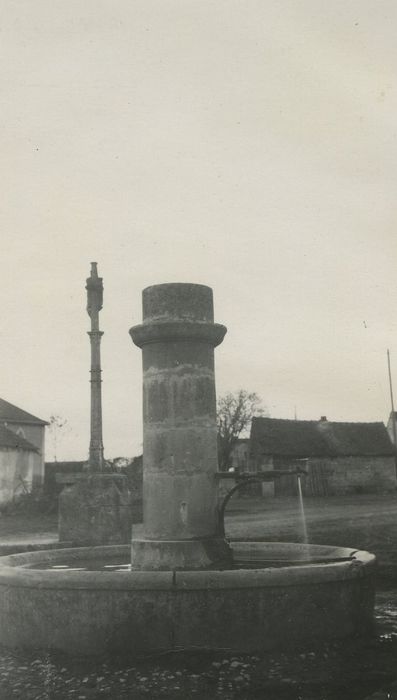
[278,594]
[248,556]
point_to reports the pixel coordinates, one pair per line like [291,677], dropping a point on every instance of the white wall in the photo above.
[14,466]
[36,435]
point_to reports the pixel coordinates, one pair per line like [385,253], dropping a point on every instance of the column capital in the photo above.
[167,331]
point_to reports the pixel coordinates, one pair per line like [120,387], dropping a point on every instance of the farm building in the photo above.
[32,430]
[340,458]
[17,461]
[239,458]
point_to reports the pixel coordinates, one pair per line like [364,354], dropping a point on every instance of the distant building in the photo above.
[32,429]
[17,462]
[239,458]
[340,458]
[392,426]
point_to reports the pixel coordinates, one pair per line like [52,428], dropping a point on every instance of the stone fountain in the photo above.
[180,584]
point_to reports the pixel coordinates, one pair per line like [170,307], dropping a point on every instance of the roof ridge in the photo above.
[325,422]
[288,420]
[11,413]
[320,438]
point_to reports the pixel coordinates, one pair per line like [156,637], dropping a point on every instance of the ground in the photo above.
[363,522]
[346,671]
[366,522]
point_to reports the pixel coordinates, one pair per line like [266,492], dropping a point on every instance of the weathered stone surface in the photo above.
[96,510]
[94,289]
[90,612]
[180,515]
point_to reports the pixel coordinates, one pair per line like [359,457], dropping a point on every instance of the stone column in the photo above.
[94,289]
[95,506]
[178,336]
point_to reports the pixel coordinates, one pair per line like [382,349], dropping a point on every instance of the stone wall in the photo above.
[53,487]
[131,468]
[360,475]
[339,476]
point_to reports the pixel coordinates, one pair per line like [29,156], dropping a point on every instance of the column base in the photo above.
[167,555]
[95,510]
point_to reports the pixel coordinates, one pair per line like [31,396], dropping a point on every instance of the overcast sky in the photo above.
[249,145]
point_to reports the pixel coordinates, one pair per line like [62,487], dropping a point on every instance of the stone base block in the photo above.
[96,510]
[168,555]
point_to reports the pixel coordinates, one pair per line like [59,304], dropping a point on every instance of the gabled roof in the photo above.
[301,438]
[12,440]
[12,414]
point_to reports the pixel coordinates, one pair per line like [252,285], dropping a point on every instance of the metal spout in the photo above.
[270,475]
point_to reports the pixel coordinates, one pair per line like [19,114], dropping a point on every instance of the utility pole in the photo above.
[94,289]
[392,409]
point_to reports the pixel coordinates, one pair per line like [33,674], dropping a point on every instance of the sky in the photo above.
[250,145]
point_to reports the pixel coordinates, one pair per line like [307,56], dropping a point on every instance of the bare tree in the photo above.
[234,414]
[58,426]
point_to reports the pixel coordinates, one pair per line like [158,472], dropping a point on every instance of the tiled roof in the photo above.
[11,440]
[301,438]
[12,414]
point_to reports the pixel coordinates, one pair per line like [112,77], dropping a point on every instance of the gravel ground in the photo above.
[345,671]
[365,670]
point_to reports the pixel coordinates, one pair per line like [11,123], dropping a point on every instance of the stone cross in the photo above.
[95,507]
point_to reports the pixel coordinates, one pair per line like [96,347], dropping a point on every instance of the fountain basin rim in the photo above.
[15,570]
